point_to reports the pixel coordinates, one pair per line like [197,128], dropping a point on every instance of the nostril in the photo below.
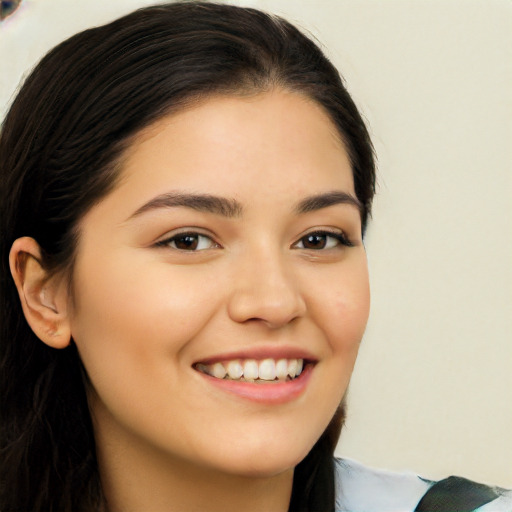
[266,293]
[273,314]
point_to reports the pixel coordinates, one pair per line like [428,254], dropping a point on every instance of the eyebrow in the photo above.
[319,201]
[232,208]
[200,202]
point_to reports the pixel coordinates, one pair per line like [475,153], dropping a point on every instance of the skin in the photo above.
[143,312]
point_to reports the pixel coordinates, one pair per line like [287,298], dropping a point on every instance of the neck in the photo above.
[136,477]
[131,487]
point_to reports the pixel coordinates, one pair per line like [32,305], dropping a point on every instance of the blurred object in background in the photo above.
[7,7]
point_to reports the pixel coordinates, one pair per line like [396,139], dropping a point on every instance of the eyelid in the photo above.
[338,234]
[167,239]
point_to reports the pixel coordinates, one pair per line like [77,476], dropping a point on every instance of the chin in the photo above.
[266,461]
[263,468]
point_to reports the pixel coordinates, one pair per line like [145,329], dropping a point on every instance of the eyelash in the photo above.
[340,238]
[191,234]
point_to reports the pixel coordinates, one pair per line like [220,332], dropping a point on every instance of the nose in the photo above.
[264,290]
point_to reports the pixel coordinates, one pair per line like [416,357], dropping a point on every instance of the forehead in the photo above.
[276,144]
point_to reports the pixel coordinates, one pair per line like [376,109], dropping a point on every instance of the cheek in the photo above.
[345,307]
[132,326]
[132,314]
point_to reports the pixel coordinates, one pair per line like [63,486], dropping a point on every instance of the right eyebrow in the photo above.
[200,202]
[319,201]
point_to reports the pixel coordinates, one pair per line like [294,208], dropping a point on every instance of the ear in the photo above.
[43,296]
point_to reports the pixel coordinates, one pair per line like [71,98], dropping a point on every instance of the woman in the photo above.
[184,194]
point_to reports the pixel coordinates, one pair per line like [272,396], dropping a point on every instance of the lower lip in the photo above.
[266,393]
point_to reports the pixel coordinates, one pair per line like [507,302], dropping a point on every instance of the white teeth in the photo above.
[282,369]
[267,369]
[218,370]
[235,370]
[251,369]
[300,363]
[292,367]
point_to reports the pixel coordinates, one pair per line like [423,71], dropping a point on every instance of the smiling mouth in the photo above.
[252,370]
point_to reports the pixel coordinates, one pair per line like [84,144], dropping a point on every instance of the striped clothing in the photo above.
[361,489]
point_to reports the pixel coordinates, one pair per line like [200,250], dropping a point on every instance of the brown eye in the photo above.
[314,241]
[188,242]
[319,240]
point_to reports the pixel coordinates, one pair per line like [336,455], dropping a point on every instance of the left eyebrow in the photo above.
[319,201]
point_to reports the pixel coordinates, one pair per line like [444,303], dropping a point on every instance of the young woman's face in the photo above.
[232,244]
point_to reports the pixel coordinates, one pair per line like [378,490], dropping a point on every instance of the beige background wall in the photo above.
[432,390]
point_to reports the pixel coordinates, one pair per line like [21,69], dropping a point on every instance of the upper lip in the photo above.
[260,353]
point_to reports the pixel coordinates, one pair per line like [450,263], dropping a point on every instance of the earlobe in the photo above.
[43,296]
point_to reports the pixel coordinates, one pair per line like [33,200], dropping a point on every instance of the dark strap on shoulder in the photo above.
[455,494]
